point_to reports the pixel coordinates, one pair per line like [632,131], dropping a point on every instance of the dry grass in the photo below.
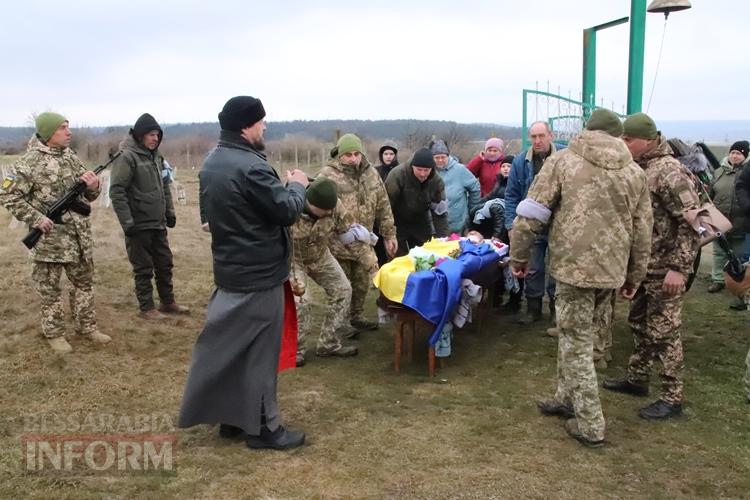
[473,432]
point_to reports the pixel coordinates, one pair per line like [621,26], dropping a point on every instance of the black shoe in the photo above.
[571,427]
[300,361]
[533,311]
[738,305]
[230,432]
[363,324]
[552,407]
[280,439]
[345,351]
[626,386]
[660,410]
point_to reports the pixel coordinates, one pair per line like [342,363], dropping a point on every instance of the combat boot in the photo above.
[600,364]
[345,351]
[280,439]
[626,386]
[571,427]
[660,410]
[533,311]
[348,332]
[59,345]
[299,361]
[99,337]
[553,332]
[363,324]
[552,407]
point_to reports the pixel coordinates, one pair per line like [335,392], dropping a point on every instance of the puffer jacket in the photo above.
[462,192]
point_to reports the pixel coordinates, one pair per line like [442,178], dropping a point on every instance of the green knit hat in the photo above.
[47,123]
[347,143]
[605,120]
[640,126]
[322,193]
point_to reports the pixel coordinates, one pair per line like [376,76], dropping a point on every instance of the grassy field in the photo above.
[471,432]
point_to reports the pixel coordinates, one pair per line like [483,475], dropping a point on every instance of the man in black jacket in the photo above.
[141,195]
[232,380]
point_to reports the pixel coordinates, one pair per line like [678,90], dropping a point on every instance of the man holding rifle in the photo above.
[44,174]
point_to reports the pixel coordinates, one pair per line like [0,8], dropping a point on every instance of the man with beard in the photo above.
[141,196]
[233,377]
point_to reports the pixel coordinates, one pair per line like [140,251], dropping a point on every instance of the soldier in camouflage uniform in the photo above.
[363,195]
[594,199]
[321,221]
[47,170]
[655,313]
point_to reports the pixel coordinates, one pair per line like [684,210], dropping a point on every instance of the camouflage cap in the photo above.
[640,126]
[606,121]
[47,123]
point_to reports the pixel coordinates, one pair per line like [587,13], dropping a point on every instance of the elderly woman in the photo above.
[486,165]
[461,188]
[726,199]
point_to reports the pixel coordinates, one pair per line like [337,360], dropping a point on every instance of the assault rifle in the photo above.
[733,267]
[70,201]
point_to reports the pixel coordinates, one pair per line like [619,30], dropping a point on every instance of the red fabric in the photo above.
[288,352]
[486,172]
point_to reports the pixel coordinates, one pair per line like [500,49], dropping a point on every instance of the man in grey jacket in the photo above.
[142,199]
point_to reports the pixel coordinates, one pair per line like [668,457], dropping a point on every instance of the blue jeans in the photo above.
[535,279]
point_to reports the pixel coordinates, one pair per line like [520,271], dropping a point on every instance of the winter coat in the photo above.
[485,171]
[462,192]
[598,210]
[743,195]
[519,180]
[383,169]
[249,212]
[140,188]
[724,196]
[419,208]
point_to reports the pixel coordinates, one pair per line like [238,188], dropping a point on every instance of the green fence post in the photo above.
[635,61]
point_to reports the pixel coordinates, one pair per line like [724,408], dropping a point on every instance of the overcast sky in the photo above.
[106,62]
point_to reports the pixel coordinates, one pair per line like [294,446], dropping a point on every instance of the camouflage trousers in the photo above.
[327,273]
[580,314]
[360,283]
[655,321]
[603,338]
[46,277]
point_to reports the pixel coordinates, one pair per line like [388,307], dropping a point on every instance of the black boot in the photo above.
[512,306]
[626,386]
[552,407]
[230,432]
[280,439]
[533,311]
[660,410]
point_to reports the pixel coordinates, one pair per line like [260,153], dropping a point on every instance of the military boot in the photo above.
[552,407]
[99,337]
[174,308]
[571,427]
[626,386]
[345,351]
[59,345]
[660,410]
[363,324]
[533,311]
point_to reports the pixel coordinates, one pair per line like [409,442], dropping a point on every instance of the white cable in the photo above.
[658,62]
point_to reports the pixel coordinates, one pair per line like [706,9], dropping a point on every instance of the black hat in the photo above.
[741,146]
[508,159]
[143,125]
[423,159]
[241,112]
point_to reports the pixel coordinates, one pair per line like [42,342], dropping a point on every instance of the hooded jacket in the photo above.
[462,192]
[599,214]
[417,206]
[725,197]
[140,188]
[384,169]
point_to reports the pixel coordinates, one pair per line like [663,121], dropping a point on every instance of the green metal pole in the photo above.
[588,93]
[635,62]
[524,134]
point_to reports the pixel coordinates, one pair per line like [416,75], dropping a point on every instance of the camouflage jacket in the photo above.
[600,214]
[313,237]
[363,195]
[43,175]
[674,244]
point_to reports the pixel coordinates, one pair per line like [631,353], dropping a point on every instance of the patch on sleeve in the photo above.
[9,183]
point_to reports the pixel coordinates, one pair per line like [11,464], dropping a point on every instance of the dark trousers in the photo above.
[150,256]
